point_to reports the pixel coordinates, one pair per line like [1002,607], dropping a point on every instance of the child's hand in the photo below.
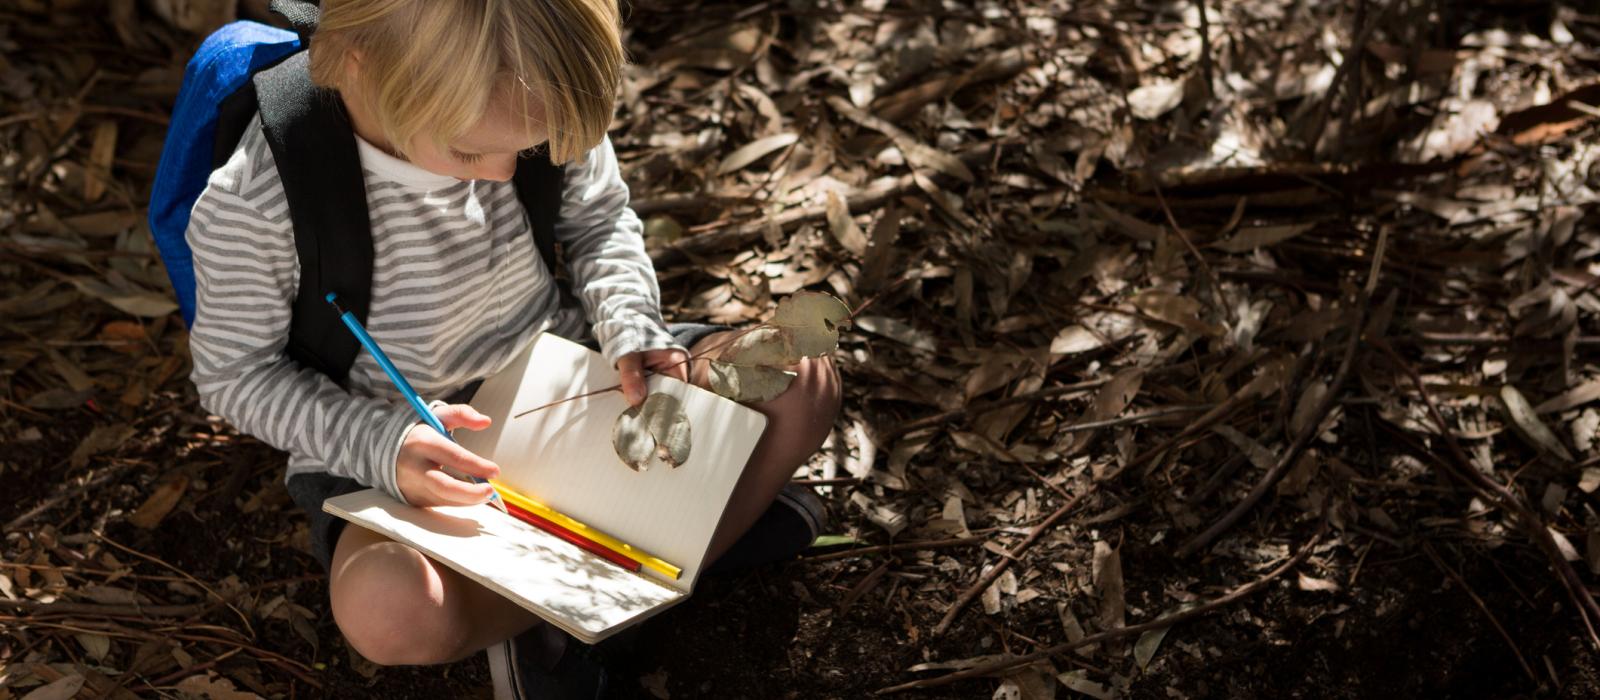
[417,467]
[672,362]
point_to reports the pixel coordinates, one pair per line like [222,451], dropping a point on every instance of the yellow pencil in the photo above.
[592,534]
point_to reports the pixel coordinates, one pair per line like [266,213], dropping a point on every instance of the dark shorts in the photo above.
[311,489]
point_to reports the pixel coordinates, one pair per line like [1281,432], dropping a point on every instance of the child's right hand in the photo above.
[424,450]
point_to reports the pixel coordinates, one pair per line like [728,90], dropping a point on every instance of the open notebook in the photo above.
[562,456]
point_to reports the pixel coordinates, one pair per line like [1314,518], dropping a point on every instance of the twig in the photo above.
[34,607]
[617,387]
[836,481]
[1475,340]
[1000,567]
[938,419]
[1437,561]
[1207,420]
[1206,70]
[1352,61]
[900,547]
[157,560]
[1210,275]
[994,667]
[65,494]
[1312,428]
[191,670]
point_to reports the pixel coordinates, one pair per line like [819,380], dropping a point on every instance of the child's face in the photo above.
[488,150]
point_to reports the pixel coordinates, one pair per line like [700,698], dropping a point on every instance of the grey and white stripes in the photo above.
[457,288]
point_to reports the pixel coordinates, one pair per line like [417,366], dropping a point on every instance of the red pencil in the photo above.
[585,543]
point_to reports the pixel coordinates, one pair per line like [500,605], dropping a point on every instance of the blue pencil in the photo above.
[400,383]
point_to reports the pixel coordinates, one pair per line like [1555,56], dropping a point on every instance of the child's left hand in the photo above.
[672,362]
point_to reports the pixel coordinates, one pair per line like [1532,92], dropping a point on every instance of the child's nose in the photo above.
[497,168]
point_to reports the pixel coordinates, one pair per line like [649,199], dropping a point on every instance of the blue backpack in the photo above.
[245,69]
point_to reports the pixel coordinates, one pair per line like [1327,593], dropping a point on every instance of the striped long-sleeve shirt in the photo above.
[457,288]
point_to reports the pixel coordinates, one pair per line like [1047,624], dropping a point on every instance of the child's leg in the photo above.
[797,422]
[398,607]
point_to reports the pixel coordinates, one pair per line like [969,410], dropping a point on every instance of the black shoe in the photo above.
[545,662]
[793,521]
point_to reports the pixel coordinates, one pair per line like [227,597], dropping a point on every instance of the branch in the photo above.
[901,547]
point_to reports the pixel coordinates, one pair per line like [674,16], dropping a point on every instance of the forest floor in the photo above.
[1276,317]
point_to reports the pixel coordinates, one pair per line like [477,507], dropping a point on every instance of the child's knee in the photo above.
[810,404]
[389,602]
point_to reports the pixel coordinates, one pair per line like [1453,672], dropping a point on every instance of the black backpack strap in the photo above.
[302,16]
[315,150]
[538,183]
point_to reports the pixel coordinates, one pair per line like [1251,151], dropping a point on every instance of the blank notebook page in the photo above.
[562,456]
[583,594]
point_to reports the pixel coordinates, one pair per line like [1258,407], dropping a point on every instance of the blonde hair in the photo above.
[430,68]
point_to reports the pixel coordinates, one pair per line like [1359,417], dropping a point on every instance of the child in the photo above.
[444,96]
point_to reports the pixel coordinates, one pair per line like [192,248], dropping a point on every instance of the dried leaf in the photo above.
[997,369]
[1571,398]
[881,514]
[138,303]
[213,687]
[1177,310]
[1590,480]
[96,646]
[112,595]
[1078,682]
[1074,339]
[1249,239]
[754,151]
[897,330]
[1131,226]
[921,156]
[1145,649]
[124,336]
[748,383]
[1108,584]
[763,346]
[876,260]
[844,227]
[1455,129]
[1310,583]
[100,439]
[1151,101]
[1258,454]
[1300,421]
[812,319]
[160,503]
[62,688]
[1528,424]
[631,437]
[657,428]
[102,150]
[1109,402]
[670,427]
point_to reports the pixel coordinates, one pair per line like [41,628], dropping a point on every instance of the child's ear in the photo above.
[352,65]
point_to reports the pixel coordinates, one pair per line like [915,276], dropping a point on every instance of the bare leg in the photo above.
[797,423]
[398,607]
